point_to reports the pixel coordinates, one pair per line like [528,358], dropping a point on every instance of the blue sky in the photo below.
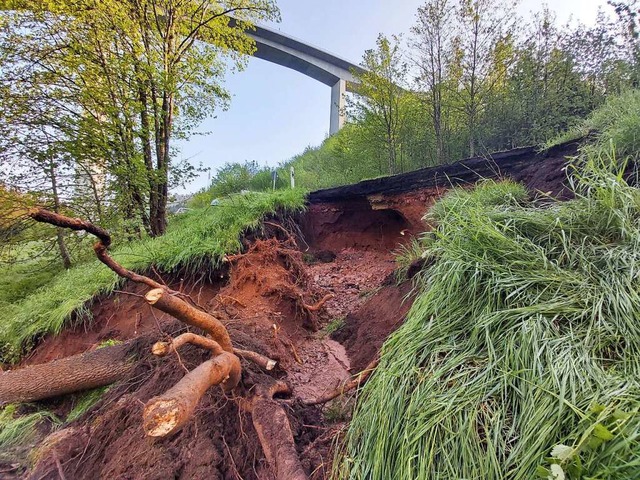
[276,112]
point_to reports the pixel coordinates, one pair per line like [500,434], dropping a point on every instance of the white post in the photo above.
[293,178]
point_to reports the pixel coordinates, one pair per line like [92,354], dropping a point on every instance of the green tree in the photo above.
[129,77]
[380,98]
[628,13]
[433,42]
[485,28]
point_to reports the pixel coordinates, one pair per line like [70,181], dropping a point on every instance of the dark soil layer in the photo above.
[344,247]
[539,170]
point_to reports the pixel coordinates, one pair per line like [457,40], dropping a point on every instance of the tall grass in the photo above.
[194,240]
[17,431]
[520,357]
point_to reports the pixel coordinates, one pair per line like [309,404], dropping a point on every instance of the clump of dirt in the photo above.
[273,274]
[353,278]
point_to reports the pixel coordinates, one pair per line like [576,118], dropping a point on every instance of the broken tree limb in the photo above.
[166,302]
[162,349]
[52,218]
[101,252]
[260,360]
[166,414]
[92,369]
[274,431]
[345,387]
[100,248]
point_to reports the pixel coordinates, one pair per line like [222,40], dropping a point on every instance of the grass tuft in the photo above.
[85,402]
[19,431]
[525,323]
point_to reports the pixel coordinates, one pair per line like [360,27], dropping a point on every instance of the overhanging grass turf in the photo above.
[196,239]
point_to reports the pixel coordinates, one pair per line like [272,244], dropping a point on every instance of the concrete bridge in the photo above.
[335,72]
[314,62]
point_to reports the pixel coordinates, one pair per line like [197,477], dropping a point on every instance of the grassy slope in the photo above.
[520,357]
[617,121]
[524,335]
[193,240]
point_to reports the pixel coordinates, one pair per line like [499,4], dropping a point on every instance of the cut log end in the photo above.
[152,296]
[160,349]
[162,418]
[169,412]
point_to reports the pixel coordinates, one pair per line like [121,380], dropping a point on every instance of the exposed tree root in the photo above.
[162,349]
[162,300]
[79,372]
[319,305]
[100,248]
[274,431]
[260,360]
[167,413]
[345,387]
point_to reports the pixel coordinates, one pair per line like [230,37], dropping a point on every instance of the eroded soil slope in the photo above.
[314,293]
[317,293]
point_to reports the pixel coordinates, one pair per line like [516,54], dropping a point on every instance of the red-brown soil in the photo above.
[263,297]
[115,317]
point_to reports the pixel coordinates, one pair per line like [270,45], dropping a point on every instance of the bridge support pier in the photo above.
[338,92]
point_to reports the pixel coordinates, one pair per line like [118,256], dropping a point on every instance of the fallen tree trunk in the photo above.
[272,424]
[166,414]
[274,431]
[93,369]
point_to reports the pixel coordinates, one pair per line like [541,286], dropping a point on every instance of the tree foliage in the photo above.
[101,89]
[473,78]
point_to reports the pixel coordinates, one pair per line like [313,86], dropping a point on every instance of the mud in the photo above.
[264,299]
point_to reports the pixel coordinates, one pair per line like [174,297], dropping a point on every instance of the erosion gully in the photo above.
[337,255]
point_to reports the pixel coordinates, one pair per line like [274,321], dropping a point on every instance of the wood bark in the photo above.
[100,248]
[64,252]
[274,432]
[273,428]
[93,369]
[162,300]
[162,349]
[166,414]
